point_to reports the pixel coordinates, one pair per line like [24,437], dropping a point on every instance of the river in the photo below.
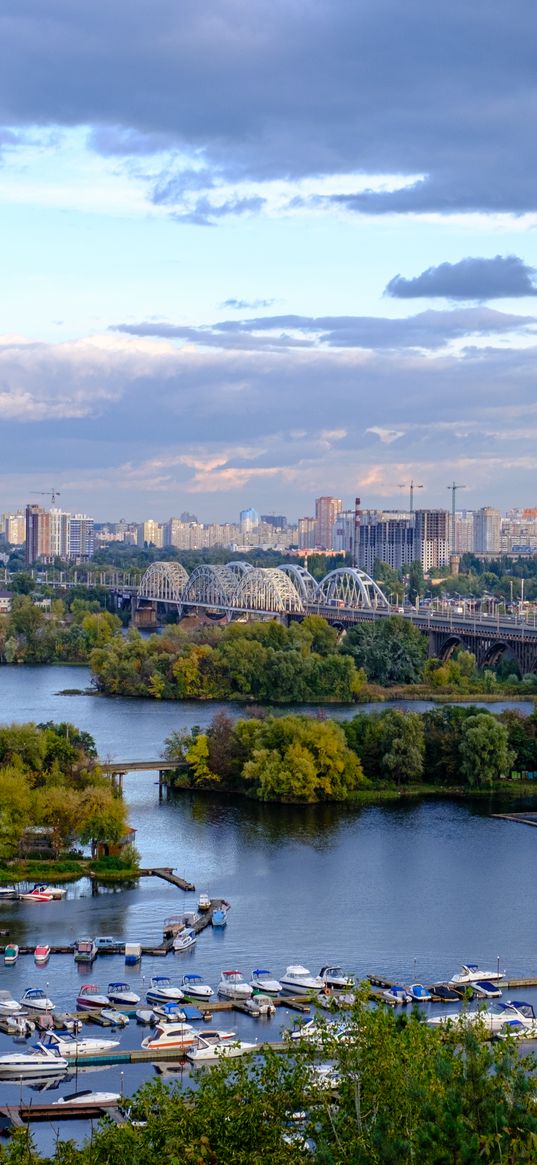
[409,889]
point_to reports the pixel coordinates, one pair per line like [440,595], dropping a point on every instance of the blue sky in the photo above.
[202,209]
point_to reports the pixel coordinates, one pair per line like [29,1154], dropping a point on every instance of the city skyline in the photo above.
[267,269]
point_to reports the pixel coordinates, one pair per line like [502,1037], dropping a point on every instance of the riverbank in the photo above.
[67,870]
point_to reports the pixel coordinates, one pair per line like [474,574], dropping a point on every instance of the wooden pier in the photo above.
[519,818]
[167,874]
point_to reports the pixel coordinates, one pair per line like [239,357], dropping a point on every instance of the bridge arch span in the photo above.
[210,586]
[306,585]
[239,568]
[351,587]
[449,647]
[163,582]
[494,652]
[267,589]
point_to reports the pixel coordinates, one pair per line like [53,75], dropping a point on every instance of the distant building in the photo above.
[60,534]
[37,533]
[5,602]
[81,536]
[248,520]
[464,532]
[14,526]
[386,536]
[326,511]
[151,533]
[431,538]
[279,521]
[307,533]
[487,530]
[343,533]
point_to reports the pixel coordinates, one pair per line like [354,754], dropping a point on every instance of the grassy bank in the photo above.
[66,870]
[374,693]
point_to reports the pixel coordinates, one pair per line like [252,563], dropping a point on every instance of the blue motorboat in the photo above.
[219,916]
[419,993]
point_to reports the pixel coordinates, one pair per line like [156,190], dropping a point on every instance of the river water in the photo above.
[410,889]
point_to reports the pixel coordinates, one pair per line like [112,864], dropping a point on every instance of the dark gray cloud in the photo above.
[428,330]
[441,92]
[499,278]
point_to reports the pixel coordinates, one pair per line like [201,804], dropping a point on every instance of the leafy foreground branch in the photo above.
[398,1094]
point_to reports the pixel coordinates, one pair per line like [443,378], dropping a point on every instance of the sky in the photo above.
[254,251]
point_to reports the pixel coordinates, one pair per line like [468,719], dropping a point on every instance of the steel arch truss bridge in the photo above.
[239,587]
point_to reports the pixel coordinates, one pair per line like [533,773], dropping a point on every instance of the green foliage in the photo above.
[391,651]
[259,661]
[390,744]
[286,758]
[407,1095]
[31,635]
[484,750]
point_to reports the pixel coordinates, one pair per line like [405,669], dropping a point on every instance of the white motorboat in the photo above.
[171,1035]
[319,1033]
[194,987]
[259,1005]
[299,981]
[89,998]
[34,999]
[85,950]
[162,990]
[470,973]
[87,1096]
[114,1017]
[35,1063]
[419,993]
[204,902]
[20,1026]
[486,990]
[214,1046]
[7,893]
[335,978]
[263,981]
[233,986]
[72,1047]
[9,1005]
[396,994]
[184,941]
[120,993]
[56,892]
[515,1017]
[36,895]
[168,1013]
[41,956]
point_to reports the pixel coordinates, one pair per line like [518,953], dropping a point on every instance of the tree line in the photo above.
[400,1093]
[62,634]
[301,759]
[49,776]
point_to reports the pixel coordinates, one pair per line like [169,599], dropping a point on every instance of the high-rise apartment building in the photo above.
[37,533]
[279,521]
[326,512]
[60,533]
[464,532]
[81,536]
[14,526]
[431,538]
[343,533]
[487,530]
[307,533]
[386,536]
[150,533]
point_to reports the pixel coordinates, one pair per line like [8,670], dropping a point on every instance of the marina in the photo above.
[382,888]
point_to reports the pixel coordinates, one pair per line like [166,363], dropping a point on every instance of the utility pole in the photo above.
[453,487]
[412,485]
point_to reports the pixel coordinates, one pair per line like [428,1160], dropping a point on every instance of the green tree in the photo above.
[102,816]
[15,809]
[484,750]
[391,651]
[416,581]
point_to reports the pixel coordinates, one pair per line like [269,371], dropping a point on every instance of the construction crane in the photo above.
[48,493]
[412,484]
[453,487]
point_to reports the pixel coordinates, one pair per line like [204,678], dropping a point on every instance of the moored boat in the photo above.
[106,944]
[486,990]
[133,954]
[72,1047]
[162,990]
[90,998]
[56,892]
[8,1005]
[121,994]
[171,1035]
[7,893]
[336,978]
[219,916]
[11,954]
[36,896]
[470,973]
[194,986]
[264,981]
[396,994]
[184,941]
[35,1063]
[85,950]
[233,986]
[204,902]
[419,993]
[41,955]
[217,1045]
[516,1017]
[34,999]
[87,1096]
[299,981]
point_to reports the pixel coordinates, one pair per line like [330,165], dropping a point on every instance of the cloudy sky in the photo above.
[257,250]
